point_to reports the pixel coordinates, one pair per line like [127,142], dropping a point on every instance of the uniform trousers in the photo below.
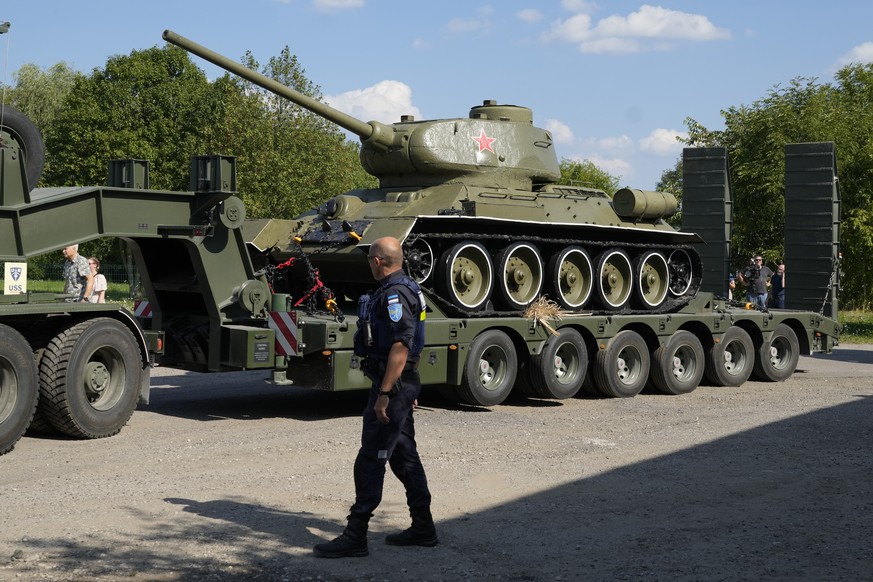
[392,443]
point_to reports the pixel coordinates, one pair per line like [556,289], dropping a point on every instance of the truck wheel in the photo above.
[730,362]
[25,135]
[90,377]
[777,359]
[18,387]
[559,370]
[677,366]
[623,367]
[489,372]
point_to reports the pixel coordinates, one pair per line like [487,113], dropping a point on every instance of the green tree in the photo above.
[671,181]
[41,94]
[803,111]
[586,173]
[290,159]
[152,104]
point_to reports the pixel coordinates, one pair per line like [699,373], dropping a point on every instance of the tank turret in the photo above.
[484,223]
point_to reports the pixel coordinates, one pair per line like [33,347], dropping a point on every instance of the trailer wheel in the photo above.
[18,387]
[18,128]
[89,377]
[677,366]
[623,367]
[777,359]
[559,370]
[730,362]
[489,372]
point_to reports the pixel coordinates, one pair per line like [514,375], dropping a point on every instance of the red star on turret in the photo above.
[484,142]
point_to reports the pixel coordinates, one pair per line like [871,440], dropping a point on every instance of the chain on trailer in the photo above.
[316,287]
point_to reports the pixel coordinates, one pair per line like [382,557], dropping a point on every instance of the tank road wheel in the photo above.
[681,272]
[489,372]
[570,277]
[520,272]
[614,279]
[730,362]
[418,259]
[90,377]
[623,367]
[559,370]
[22,132]
[18,387]
[777,359]
[467,275]
[651,280]
[677,366]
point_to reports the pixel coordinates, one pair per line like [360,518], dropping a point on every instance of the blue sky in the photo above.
[613,80]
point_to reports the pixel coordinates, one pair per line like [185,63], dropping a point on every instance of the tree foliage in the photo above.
[803,111]
[586,173]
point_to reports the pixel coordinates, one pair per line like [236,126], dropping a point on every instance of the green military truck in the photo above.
[531,285]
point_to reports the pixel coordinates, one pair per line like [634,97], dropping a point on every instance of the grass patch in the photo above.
[857,327]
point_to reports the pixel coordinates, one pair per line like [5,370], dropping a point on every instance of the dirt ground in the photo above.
[223,477]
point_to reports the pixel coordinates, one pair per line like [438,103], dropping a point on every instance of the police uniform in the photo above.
[396,313]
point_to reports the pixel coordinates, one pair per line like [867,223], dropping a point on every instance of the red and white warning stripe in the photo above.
[285,325]
[141,308]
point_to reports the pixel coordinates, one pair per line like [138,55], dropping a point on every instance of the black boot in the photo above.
[422,532]
[351,544]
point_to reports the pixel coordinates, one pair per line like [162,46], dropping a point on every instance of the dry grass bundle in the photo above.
[544,309]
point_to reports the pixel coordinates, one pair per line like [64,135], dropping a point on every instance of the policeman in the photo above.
[391,337]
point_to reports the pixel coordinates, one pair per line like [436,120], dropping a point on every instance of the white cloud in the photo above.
[385,101]
[649,28]
[663,142]
[419,44]
[529,15]
[863,53]
[622,143]
[561,133]
[336,5]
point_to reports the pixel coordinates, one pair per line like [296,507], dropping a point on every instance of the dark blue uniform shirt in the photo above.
[397,313]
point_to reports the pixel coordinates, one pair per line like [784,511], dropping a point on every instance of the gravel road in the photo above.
[223,477]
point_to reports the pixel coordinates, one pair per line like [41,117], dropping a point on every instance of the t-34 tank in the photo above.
[484,224]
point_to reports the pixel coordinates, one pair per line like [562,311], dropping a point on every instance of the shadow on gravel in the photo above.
[853,355]
[792,500]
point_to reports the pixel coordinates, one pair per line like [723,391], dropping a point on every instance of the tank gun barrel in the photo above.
[372,130]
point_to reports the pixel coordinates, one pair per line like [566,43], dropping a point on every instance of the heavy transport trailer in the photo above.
[210,278]
[82,368]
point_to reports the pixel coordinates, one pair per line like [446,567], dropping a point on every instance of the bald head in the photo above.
[389,249]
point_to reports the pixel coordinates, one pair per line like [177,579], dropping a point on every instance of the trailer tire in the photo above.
[777,359]
[490,369]
[90,376]
[677,366]
[28,139]
[559,370]
[622,368]
[730,362]
[18,387]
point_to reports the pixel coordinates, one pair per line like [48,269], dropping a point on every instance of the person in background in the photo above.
[732,285]
[777,288]
[78,280]
[756,278]
[98,294]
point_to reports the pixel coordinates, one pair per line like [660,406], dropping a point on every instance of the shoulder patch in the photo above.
[395,311]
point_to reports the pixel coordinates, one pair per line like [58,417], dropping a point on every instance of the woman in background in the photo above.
[98,294]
